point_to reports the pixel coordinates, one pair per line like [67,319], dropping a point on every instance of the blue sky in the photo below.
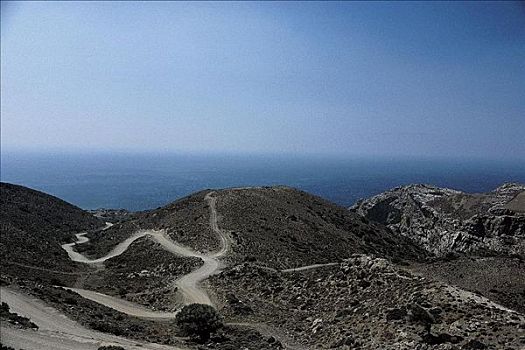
[370,79]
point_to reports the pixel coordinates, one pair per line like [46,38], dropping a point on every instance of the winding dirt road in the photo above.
[124,306]
[309,267]
[58,332]
[188,285]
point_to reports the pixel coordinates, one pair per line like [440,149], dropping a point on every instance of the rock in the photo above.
[441,339]
[445,221]
[418,314]
[364,284]
[316,325]
[349,341]
[395,314]
[474,345]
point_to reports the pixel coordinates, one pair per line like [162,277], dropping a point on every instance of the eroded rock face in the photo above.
[446,221]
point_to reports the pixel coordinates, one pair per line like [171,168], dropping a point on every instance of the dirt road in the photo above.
[188,285]
[56,331]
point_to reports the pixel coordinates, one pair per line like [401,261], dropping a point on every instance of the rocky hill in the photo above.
[34,224]
[498,278]
[282,227]
[277,227]
[445,221]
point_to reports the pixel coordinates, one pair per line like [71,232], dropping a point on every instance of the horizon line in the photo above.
[285,154]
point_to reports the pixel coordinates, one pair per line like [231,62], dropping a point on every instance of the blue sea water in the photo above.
[145,181]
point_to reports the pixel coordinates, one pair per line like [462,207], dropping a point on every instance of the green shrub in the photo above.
[198,320]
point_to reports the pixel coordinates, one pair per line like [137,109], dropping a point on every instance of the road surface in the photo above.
[56,331]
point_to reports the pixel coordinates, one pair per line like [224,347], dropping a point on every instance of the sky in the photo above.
[426,79]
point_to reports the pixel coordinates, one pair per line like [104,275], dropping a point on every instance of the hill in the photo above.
[32,227]
[282,227]
[277,227]
[366,302]
[445,221]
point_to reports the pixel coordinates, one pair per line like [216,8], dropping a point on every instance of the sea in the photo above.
[141,181]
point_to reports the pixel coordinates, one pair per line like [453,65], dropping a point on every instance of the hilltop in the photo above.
[277,227]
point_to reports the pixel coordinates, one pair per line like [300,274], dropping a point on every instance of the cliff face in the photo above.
[446,221]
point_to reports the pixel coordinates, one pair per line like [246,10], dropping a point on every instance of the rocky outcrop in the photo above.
[446,221]
[302,272]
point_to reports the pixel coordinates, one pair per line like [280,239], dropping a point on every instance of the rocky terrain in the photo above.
[185,220]
[33,225]
[143,274]
[278,227]
[445,221]
[475,241]
[281,227]
[285,269]
[12,317]
[366,302]
[501,279]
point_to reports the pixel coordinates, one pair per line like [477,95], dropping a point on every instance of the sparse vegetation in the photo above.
[282,227]
[42,222]
[198,320]
[371,298]
[14,318]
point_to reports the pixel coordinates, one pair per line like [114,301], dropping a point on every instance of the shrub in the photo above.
[105,327]
[4,309]
[451,256]
[198,320]
[56,282]
[111,347]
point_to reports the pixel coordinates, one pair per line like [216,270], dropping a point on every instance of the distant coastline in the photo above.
[145,181]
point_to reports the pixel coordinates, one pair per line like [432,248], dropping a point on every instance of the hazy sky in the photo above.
[437,79]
